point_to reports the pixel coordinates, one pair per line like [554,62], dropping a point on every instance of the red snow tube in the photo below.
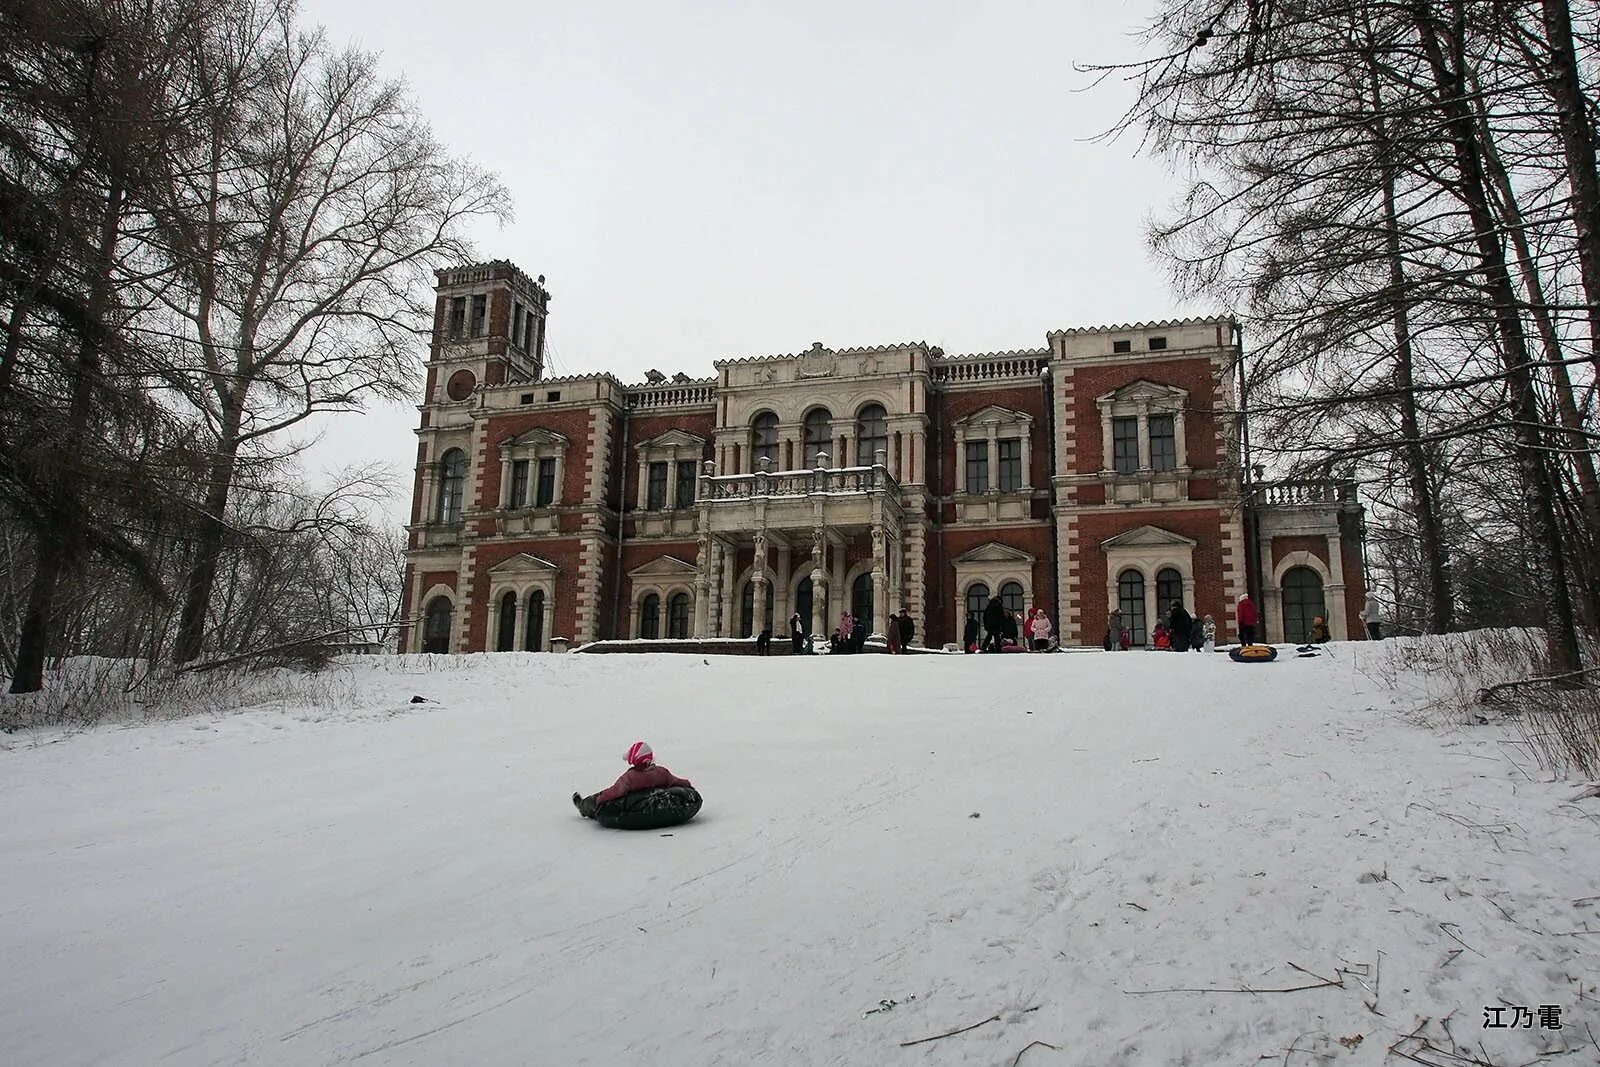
[650,809]
[1253,654]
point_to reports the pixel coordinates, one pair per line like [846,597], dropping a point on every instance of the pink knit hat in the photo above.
[639,754]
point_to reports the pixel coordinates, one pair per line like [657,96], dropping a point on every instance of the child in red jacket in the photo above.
[642,773]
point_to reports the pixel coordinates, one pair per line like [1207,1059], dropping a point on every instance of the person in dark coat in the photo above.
[1178,625]
[797,633]
[764,643]
[858,636]
[995,617]
[907,627]
[969,634]
[1197,634]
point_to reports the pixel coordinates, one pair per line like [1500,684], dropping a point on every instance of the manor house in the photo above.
[1104,469]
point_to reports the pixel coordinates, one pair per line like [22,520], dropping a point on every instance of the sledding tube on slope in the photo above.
[650,809]
[1253,654]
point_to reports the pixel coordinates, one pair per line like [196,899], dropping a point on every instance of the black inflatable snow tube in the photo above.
[650,809]
[1253,654]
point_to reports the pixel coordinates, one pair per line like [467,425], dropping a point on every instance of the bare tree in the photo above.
[304,234]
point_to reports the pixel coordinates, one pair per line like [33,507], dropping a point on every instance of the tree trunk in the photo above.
[1441,602]
[1539,501]
[208,542]
[1577,146]
[59,541]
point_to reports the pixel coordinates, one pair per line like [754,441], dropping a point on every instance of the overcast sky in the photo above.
[706,181]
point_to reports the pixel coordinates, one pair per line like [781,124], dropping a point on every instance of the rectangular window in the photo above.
[516,320]
[480,311]
[545,494]
[458,317]
[657,500]
[1010,464]
[1157,343]
[686,479]
[527,332]
[1125,445]
[526,398]
[1122,346]
[977,466]
[553,396]
[519,483]
[1163,443]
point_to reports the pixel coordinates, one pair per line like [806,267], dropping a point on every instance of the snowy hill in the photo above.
[1048,842]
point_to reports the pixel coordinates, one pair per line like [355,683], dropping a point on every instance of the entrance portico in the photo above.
[796,525]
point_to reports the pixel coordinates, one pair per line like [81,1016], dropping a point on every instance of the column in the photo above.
[1144,438]
[549,621]
[702,590]
[994,456]
[819,585]
[1027,456]
[644,484]
[1107,457]
[961,461]
[633,620]
[1181,445]
[841,594]
[880,588]
[758,579]
[505,478]
[1333,598]
[519,629]
[730,595]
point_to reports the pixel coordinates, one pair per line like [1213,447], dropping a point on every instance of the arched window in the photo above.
[818,428]
[650,617]
[1169,590]
[436,625]
[747,609]
[452,479]
[506,640]
[805,604]
[764,440]
[861,598]
[535,624]
[872,435]
[678,615]
[1302,602]
[1011,597]
[1130,598]
[977,600]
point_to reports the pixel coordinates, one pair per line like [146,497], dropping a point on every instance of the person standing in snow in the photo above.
[1210,630]
[1114,641]
[797,633]
[858,636]
[891,635]
[1246,614]
[1027,629]
[1370,614]
[847,626]
[1178,626]
[764,643]
[643,773]
[1042,629]
[969,633]
[1197,634]
[907,627]
[994,624]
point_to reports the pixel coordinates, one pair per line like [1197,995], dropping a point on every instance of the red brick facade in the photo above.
[978,474]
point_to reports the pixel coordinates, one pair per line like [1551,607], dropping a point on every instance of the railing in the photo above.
[1306,492]
[989,368]
[798,483]
[677,394]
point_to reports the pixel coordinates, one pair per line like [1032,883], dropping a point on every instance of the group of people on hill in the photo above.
[1003,630]
[851,634]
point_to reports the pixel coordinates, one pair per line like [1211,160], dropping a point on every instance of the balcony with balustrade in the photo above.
[823,497]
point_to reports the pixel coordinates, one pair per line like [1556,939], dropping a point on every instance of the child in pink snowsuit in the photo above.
[642,773]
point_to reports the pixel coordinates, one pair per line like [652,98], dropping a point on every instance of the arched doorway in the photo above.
[535,625]
[861,598]
[747,609]
[804,603]
[436,625]
[1130,598]
[506,639]
[1302,602]
[650,617]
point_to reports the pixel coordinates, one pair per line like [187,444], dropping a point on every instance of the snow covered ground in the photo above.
[1048,842]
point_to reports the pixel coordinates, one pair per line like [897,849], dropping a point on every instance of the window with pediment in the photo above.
[669,465]
[1142,429]
[994,446]
[537,457]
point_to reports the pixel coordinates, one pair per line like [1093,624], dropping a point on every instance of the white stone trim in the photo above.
[1272,594]
[988,424]
[1140,400]
[671,447]
[666,591]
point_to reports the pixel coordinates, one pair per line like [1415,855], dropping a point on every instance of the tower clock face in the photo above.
[461,385]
